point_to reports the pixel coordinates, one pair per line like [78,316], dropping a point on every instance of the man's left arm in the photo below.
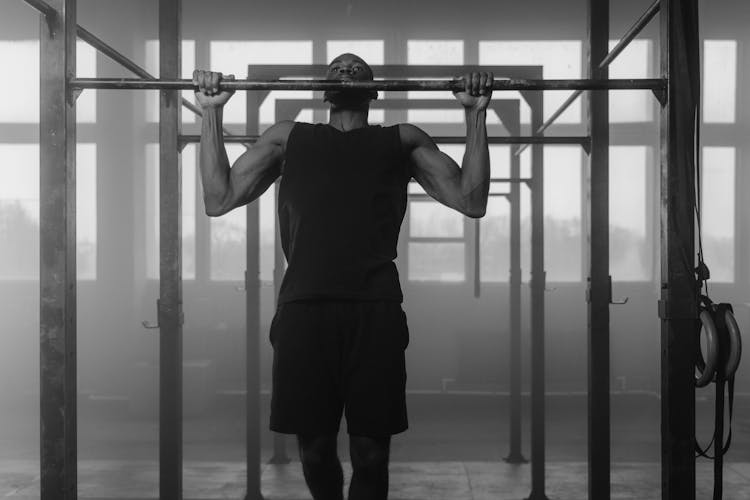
[464,188]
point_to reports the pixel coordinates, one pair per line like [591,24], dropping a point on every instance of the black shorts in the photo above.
[332,356]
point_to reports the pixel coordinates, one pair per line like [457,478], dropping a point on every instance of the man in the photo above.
[339,332]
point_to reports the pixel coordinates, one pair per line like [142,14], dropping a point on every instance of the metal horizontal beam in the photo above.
[450,139]
[386,85]
[507,180]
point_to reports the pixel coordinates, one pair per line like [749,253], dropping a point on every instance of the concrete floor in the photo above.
[452,451]
[408,480]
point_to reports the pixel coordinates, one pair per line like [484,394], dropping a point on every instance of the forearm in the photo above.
[475,168]
[214,164]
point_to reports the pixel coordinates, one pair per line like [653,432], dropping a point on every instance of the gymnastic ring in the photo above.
[712,350]
[735,344]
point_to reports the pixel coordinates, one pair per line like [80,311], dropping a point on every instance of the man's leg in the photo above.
[321,466]
[370,467]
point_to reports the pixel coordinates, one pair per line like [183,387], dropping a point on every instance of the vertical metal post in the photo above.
[678,304]
[538,286]
[170,258]
[279,440]
[57,235]
[513,123]
[598,293]
[252,306]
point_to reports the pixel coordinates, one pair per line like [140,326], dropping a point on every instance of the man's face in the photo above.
[349,67]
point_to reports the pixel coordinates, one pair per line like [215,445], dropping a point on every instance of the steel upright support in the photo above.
[515,456]
[57,265]
[678,304]
[280,455]
[538,287]
[170,259]
[252,305]
[598,292]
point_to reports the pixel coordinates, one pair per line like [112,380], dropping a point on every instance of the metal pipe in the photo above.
[448,139]
[43,7]
[629,36]
[385,85]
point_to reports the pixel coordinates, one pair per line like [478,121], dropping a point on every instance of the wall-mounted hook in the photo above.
[152,326]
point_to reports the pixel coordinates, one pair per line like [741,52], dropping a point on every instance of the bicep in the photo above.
[437,173]
[254,171]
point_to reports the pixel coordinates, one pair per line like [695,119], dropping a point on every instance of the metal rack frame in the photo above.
[677,307]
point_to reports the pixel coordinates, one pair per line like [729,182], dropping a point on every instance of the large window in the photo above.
[629,249]
[24,56]
[435,52]
[233,57]
[717,211]
[559,58]
[719,81]
[562,212]
[19,211]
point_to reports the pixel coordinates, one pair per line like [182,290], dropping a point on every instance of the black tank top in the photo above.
[342,199]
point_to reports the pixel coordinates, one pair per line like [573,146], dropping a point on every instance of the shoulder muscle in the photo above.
[277,134]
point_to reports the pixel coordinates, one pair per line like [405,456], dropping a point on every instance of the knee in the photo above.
[369,453]
[316,451]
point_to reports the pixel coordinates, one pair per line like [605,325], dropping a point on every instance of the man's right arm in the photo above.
[225,187]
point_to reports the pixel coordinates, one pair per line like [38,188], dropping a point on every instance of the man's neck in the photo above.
[348,119]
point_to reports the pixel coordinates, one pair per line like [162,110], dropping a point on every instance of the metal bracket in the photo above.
[500,195]
[661,96]
[181,143]
[616,302]
[515,273]
[586,145]
[613,302]
[153,326]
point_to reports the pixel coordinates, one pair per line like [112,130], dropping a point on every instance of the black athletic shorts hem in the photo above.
[334,357]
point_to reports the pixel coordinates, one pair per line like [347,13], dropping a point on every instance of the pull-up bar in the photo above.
[582,140]
[386,85]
